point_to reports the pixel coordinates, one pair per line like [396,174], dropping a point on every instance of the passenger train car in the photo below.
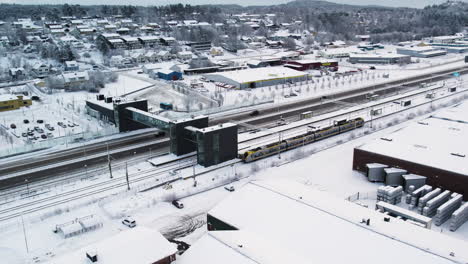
[300,140]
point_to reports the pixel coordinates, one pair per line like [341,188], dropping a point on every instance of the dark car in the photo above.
[372,68]
[254,113]
[178,204]
[13,126]
[26,121]
[40,121]
[43,136]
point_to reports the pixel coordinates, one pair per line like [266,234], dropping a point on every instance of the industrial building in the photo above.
[169,75]
[421,52]
[304,65]
[257,77]
[12,102]
[139,245]
[281,221]
[440,155]
[379,58]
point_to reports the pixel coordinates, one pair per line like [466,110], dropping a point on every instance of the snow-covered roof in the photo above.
[147,38]
[130,39]
[165,71]
[75,76]
[115,40]
[384,55]
[259,74]
[71,228]
[440,147]
[315,226]
[216,127]
[139,245]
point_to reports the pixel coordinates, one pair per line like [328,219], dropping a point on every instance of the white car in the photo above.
[128,221]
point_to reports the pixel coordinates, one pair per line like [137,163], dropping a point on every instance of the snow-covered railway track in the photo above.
[102,188]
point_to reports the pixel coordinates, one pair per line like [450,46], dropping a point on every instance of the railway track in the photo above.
[71,153]
[267,115]
[67,177]
[88,191]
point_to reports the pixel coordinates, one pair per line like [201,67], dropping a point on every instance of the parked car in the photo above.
[26,121]
[24,134]
[13,126]
[30,133]
[178,204]
[43,136]
[372,67]
[40,121]
[128,221]
[229,188]
[254,113]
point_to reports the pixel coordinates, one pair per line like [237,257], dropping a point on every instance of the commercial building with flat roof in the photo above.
[421,52]
[435,147]
[257,77]
[379,58]
[281,221]
[12,102]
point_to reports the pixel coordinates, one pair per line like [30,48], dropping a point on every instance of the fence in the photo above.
[27,147]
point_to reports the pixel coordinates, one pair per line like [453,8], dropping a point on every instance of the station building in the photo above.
[257,77]
[13,102]
[435,147]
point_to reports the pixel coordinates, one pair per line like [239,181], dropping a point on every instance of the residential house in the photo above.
[16,73]
[41,70]
[149,41]
[73,79]
[123,31]
[216,51]
[164,55]
[139,57]
[152,56]
[185,55]
[71,66]
[132,42]
[110,28]
[168,41]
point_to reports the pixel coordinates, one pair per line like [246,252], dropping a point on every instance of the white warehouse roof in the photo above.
[444,136]
[286,218]
[259,74]
[139,245]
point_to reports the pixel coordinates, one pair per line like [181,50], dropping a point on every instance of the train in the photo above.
[300,140]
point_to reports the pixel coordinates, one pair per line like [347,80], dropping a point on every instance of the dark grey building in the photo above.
[216,144]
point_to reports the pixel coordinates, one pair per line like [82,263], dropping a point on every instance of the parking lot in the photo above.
[43,122]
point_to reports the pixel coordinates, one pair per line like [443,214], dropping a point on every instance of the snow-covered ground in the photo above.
[325,165]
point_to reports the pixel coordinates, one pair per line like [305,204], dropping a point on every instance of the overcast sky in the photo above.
[409,3]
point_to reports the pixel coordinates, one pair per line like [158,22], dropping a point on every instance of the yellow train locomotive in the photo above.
[300,140]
